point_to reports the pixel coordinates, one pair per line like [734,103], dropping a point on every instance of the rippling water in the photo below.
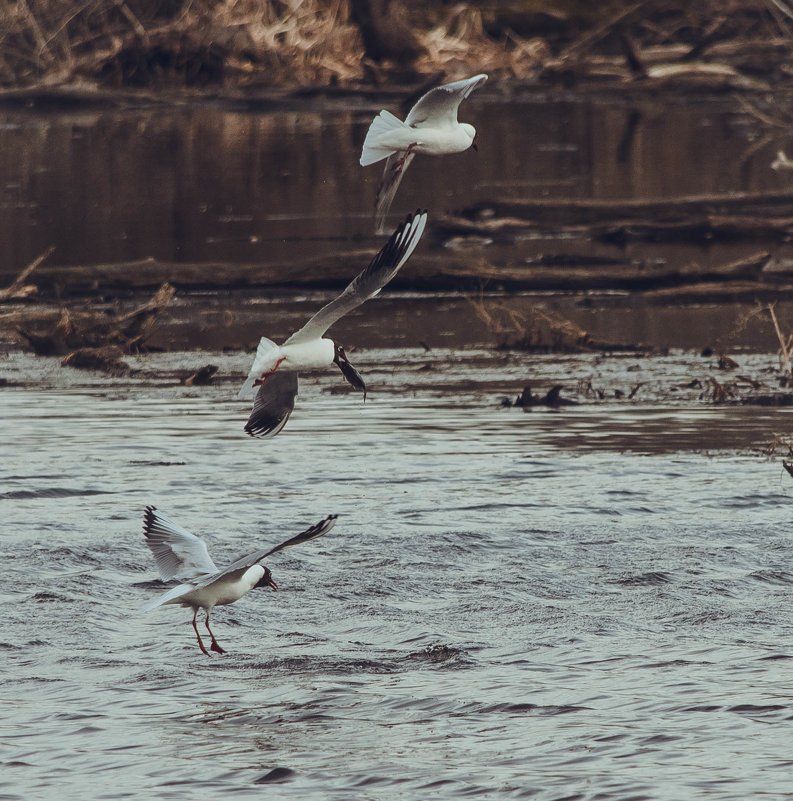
[591,603]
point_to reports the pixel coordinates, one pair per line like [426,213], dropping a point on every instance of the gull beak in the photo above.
[271,583]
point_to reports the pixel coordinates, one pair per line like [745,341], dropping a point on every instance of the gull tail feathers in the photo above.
[171,595]
[266,355]
[373,150]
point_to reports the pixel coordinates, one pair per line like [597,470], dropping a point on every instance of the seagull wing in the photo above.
[171,595]
[439,105]
[273,404]
[238,568]
[383,267]
[178,553]
[394,170]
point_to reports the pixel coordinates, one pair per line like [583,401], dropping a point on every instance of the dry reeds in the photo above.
[318,42]
[267,42]
[284,41]
[532,328]
[460,40]
[785,344]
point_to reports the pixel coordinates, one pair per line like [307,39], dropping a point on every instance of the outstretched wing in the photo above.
[369,282]
[273,404]
[168,597]
[393,173]
[178,553]
[242,564]
[439,105]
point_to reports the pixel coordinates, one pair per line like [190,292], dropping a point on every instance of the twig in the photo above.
[589,38]
[784,342]
[19,281]
[133,20]
[783,8]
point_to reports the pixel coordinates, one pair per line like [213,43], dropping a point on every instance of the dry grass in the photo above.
[273,42]
[532,328]
[315,42]
[460,40]
[59,40]
[760,311]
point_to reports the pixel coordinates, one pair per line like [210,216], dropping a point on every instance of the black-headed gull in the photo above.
[430,127]
[275,367]
[183,557]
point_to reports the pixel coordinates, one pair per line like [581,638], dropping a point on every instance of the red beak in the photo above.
[271,583]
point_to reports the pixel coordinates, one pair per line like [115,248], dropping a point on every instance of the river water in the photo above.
[590,602]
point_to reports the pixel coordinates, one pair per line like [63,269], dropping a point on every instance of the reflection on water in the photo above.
[203,184]
[543,604]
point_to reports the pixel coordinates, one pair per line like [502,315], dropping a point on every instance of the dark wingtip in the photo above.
[148,519]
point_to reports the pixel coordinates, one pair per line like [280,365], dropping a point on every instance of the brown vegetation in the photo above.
[289,43]
[70,331]
[536,329]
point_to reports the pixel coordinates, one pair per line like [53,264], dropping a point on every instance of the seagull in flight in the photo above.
[182,556]
[275,367]
[430,127]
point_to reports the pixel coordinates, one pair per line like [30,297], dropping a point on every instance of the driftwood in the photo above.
[18,289]
[106,358]
[72,331]
[589,212]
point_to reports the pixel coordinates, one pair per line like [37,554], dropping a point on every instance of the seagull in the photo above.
[430,127]
[275,367]
[182,556]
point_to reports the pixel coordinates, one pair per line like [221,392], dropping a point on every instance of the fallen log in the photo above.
[573,211]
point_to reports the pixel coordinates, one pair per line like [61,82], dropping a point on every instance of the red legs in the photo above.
[400,162]
[198,636]
[215,646]
[259,381]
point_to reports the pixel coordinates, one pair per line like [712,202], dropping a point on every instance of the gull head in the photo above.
[266,580]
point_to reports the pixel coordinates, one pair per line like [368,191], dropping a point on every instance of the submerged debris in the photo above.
[107,359]
[551,399]
[202,377]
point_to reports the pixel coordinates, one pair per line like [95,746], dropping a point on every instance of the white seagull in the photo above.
[182,556]
[275,367]
[430,127]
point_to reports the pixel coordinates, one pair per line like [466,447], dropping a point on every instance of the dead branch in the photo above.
[17,289]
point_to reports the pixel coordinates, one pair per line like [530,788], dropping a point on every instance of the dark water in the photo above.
[203,184]
[589,603]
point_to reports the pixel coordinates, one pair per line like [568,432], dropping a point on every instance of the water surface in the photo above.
[591,602]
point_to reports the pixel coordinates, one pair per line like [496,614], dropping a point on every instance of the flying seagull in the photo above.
[430,127]
[182,556]
[275,367]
